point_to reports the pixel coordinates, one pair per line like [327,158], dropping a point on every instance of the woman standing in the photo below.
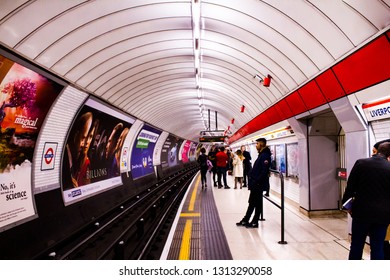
[202,160]
[238,168]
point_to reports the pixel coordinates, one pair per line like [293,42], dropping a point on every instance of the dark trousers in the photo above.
[255,204]
[247,169]
[215,175]
[360,231]
[222,173]
[203,172]
[386,245]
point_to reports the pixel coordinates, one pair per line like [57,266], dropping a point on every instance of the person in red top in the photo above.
[221,161]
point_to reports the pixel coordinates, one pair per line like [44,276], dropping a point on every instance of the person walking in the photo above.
[238,168]
[202,160]
[369,186]
[247,164]
[258,179]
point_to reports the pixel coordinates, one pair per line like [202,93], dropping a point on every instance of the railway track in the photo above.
[136,229]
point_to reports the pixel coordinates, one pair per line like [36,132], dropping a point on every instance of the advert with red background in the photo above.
[25,99]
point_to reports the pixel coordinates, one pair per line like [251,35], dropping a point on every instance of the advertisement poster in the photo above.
[192,152]
[198,148]
[292,160]
[25,99]
[273,159]
[170,151]
[280,158]
[185,151]
[124,161]
[142,153]
[92,155]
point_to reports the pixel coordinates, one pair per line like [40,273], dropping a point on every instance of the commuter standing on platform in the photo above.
[212,158]
[238,168]
[386,245]
[258,180]
[247,164]
[221,162]
[369,185]
[229,165]
[202,160]
[376,146]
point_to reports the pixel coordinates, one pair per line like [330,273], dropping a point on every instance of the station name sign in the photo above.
[377,110]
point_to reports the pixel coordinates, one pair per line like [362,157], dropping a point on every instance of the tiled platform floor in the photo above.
[324,238]
[320,238]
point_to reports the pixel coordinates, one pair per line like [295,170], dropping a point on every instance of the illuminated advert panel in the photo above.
[192,151]
[170,151]
[92,155]
[142,152]
[25,99]
[185,151]
[198,148]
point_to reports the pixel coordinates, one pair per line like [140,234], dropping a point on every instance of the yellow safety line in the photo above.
[190,214]
[193,196]
[186,241]
[185,247]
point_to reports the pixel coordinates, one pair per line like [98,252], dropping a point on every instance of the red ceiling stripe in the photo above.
[329,86]
[364,68]
[311,95]
[274,115]
[295,103]
[284,109]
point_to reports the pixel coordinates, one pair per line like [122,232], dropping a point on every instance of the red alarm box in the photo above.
[267,81]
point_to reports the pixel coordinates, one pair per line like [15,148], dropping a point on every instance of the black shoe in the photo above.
[219,187]
[266,194]
[241,223]
[226,187]
[244,186]
[252,225]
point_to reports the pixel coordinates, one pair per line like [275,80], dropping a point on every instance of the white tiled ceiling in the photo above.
[139,54]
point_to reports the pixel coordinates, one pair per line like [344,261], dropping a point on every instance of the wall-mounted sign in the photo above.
[278,133]
[48,156]
[377,110]
[341,174]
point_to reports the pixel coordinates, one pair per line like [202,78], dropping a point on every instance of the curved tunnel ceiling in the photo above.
[139,54]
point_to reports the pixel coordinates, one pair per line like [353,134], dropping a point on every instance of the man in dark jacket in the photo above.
[369,184]
[246,163]
[257,181]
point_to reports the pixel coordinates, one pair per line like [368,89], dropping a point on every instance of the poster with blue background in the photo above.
[142,152]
